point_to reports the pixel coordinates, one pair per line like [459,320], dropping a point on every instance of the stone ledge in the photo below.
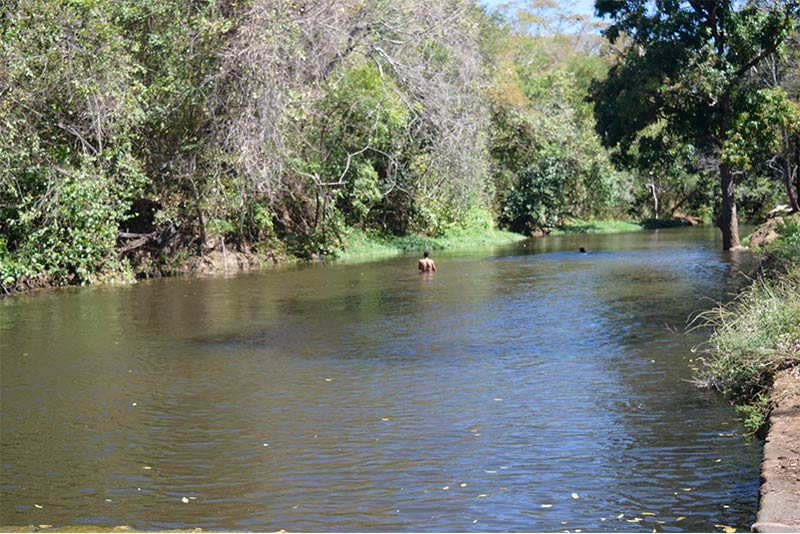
[779,508]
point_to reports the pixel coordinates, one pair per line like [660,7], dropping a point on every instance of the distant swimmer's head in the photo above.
[425,254]
[583,250]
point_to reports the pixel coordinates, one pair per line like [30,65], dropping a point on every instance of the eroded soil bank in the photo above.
[779,509]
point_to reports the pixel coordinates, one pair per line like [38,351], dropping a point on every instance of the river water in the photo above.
[528,388]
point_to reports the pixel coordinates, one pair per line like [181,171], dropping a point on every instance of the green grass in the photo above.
[580,226]
[756,335]
[363,245]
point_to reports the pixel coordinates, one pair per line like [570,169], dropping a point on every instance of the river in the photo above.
[524,388]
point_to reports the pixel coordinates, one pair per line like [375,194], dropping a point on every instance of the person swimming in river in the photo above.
[426,264]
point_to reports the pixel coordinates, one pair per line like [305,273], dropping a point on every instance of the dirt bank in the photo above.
[779,509]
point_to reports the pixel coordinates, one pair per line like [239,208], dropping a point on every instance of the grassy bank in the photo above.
[592,226]
[757,334]
[362,245]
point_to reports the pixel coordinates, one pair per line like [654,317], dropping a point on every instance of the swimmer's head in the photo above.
[425,254]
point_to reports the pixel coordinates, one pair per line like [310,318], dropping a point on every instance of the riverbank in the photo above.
[357,245]
[754,359]
[779,507]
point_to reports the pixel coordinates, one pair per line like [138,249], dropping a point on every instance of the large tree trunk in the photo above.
[728,222]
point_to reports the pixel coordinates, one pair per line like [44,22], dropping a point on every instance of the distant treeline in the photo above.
[135,134]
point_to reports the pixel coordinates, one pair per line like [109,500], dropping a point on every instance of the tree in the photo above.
[689,64]
[548,162]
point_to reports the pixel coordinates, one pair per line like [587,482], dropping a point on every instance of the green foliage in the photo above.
[785,252]
[68,168]
[690,65]
[536,200]
[757,132]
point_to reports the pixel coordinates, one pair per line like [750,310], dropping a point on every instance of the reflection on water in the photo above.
[529,388]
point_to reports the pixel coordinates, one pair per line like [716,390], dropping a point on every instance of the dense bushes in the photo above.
[140,133]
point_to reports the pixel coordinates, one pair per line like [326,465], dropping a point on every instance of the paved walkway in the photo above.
[779,510]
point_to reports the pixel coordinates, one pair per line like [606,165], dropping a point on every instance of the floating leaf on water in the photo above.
[463,484]
[648,513]
[688,489]
[482,495]
[329,380]
[384,418]
[266,444]
[147,468]
[620,516]
[133,404]
[680,518]
[726,528]
[718,460]
[576,496]
[45,526]
[108,500]
[634,520]
[498,399]
[184,500]
[446,488]
[547,506]
[491,472]
[39,506]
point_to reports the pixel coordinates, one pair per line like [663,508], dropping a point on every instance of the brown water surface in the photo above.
[529,388]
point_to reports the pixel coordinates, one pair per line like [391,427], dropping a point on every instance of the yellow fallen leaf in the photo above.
[147,468]
[726,528]
[634,520]
[446,488]
[680,518]
[547,506]
[576,496]
[45,526]
[184,500]
[482,495]
[463,484]
[648,513]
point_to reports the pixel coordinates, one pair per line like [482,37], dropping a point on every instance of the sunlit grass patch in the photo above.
[592,226]
[360,244]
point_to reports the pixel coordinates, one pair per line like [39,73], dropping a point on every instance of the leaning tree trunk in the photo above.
[728,223]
